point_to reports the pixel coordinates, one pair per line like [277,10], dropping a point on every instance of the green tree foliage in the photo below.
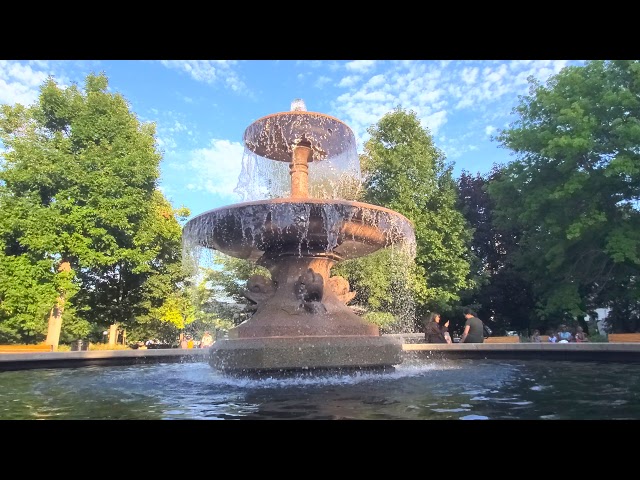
[573,190]
[157,301]
[384,282]
[219,294]
[78,185]
[404,171]
[210,313]
[504,297]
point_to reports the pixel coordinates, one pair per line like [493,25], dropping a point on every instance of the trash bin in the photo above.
[78,345]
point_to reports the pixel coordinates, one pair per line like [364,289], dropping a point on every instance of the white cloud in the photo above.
[349,81]
[375,81]
[469,75]
[39,63]
[540,69]
[173,129]
[166,143]
[435,120]
[178,127]
[25,74]
[497,80]
[20,83]
[13,92]
[210,71]
[489,130]
[321,82]
[216,169]
[360,66]
[408,84]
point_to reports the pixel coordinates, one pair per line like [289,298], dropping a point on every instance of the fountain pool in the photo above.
[417,389]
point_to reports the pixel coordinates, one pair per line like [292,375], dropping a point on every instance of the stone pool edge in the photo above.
[618,352]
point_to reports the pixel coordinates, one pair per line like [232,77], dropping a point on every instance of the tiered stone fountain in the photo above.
[301,319]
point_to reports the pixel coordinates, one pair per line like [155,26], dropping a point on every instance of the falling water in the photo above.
[334,172]
[247,230]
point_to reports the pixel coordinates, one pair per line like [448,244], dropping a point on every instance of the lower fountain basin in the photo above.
[299,226]
[294,354]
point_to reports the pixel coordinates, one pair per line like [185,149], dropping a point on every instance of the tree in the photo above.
[77,192]
[156,292]
[573,189]
[504,296]
[405,172]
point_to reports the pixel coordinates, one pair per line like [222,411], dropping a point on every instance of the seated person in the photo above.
[535,336]
[207,340]
[552,337]
[564,335]
[433,331]
[580,335]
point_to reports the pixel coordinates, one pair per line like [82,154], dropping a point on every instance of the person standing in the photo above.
[473,328]
[433,331]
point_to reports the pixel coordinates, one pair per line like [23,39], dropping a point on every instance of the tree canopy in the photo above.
[574,187]
[78,187]
[504,296]
[404,171]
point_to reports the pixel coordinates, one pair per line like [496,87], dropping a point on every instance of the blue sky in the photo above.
[202,107]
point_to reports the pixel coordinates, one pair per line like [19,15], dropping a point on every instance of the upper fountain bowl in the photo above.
[274,136]
[293,226]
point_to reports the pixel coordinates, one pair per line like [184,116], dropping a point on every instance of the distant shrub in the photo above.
[598,338]
[384,320]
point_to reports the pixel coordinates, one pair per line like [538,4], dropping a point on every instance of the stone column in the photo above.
[299,169]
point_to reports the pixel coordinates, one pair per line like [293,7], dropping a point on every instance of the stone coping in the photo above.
[623,352]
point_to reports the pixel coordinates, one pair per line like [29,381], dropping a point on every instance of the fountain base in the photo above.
[247,355]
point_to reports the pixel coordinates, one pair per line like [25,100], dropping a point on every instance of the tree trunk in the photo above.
[55,317]
[113,335]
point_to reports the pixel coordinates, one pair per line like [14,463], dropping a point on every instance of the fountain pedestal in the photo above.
[301,323]
[301,303]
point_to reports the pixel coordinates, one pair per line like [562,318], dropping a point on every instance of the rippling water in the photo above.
[420,390]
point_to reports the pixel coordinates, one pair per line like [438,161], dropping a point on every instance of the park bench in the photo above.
[40,347]
[624,337]
[505,339]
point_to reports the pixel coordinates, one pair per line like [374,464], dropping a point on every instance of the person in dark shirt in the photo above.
[473,328]
[433,331]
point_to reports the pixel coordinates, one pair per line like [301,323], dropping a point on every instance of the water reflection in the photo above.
[431,390]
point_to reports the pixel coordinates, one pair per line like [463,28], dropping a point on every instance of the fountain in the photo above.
[301,320]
